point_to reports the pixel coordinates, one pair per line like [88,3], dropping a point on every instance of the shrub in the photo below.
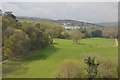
[107,69]
[70,69]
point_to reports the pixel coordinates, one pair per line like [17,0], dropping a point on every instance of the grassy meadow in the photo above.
[43,63]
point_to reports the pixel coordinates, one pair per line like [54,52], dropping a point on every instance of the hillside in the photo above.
[61,22]
[77,23]
[35,19]
[109,24]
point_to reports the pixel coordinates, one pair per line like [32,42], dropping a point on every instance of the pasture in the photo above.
[43,63]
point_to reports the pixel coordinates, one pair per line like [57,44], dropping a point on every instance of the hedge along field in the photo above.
[43,63]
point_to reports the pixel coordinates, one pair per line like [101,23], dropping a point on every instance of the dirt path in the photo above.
[116,42]
[3,62]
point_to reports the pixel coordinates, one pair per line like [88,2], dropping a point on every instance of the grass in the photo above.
[43,63]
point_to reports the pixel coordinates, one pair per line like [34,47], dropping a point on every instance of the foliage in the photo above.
[69,69]
[97,33]
[76,35]
[20,37]
[110,33]
[17,44]
[107,69]
[54,30]
[92,66]
[87,33]
[65,34]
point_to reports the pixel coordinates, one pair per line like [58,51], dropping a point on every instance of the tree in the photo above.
[39,38]
[97,33]
[8,21]
[54,30]
[17,44]
[65,34]
[76,35]
[0,12]
[92,66]
[87,33]
[40,26]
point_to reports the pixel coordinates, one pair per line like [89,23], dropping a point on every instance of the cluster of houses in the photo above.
[68,26]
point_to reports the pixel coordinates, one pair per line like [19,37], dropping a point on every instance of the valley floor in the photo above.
[43,63]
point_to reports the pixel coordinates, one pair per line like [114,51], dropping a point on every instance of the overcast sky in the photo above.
[81,11]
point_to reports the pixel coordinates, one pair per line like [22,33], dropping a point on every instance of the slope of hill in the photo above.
[78,23]
[35,19]
[61,22]
[109,24]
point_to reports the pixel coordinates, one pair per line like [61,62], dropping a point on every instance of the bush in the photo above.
[107,69]
[70,69]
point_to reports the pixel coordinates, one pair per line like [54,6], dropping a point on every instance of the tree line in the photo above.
[78,34]
[19,38]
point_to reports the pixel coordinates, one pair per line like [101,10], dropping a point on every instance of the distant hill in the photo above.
[35,19]
[78,23]
[61,22]
[109,24]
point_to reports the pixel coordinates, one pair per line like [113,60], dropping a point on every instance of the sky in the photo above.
[94,12]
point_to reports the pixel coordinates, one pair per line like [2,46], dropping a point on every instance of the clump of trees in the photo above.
[110,33]
[88,33]
[103,33]
[54,30]
[97,33]
[78,34]
[18,38]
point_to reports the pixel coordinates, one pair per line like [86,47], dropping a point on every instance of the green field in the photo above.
[43,63]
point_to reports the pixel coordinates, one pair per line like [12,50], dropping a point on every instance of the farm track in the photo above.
[116,42]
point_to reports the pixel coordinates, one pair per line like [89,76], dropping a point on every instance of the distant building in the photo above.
[71,27]
[68,26]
